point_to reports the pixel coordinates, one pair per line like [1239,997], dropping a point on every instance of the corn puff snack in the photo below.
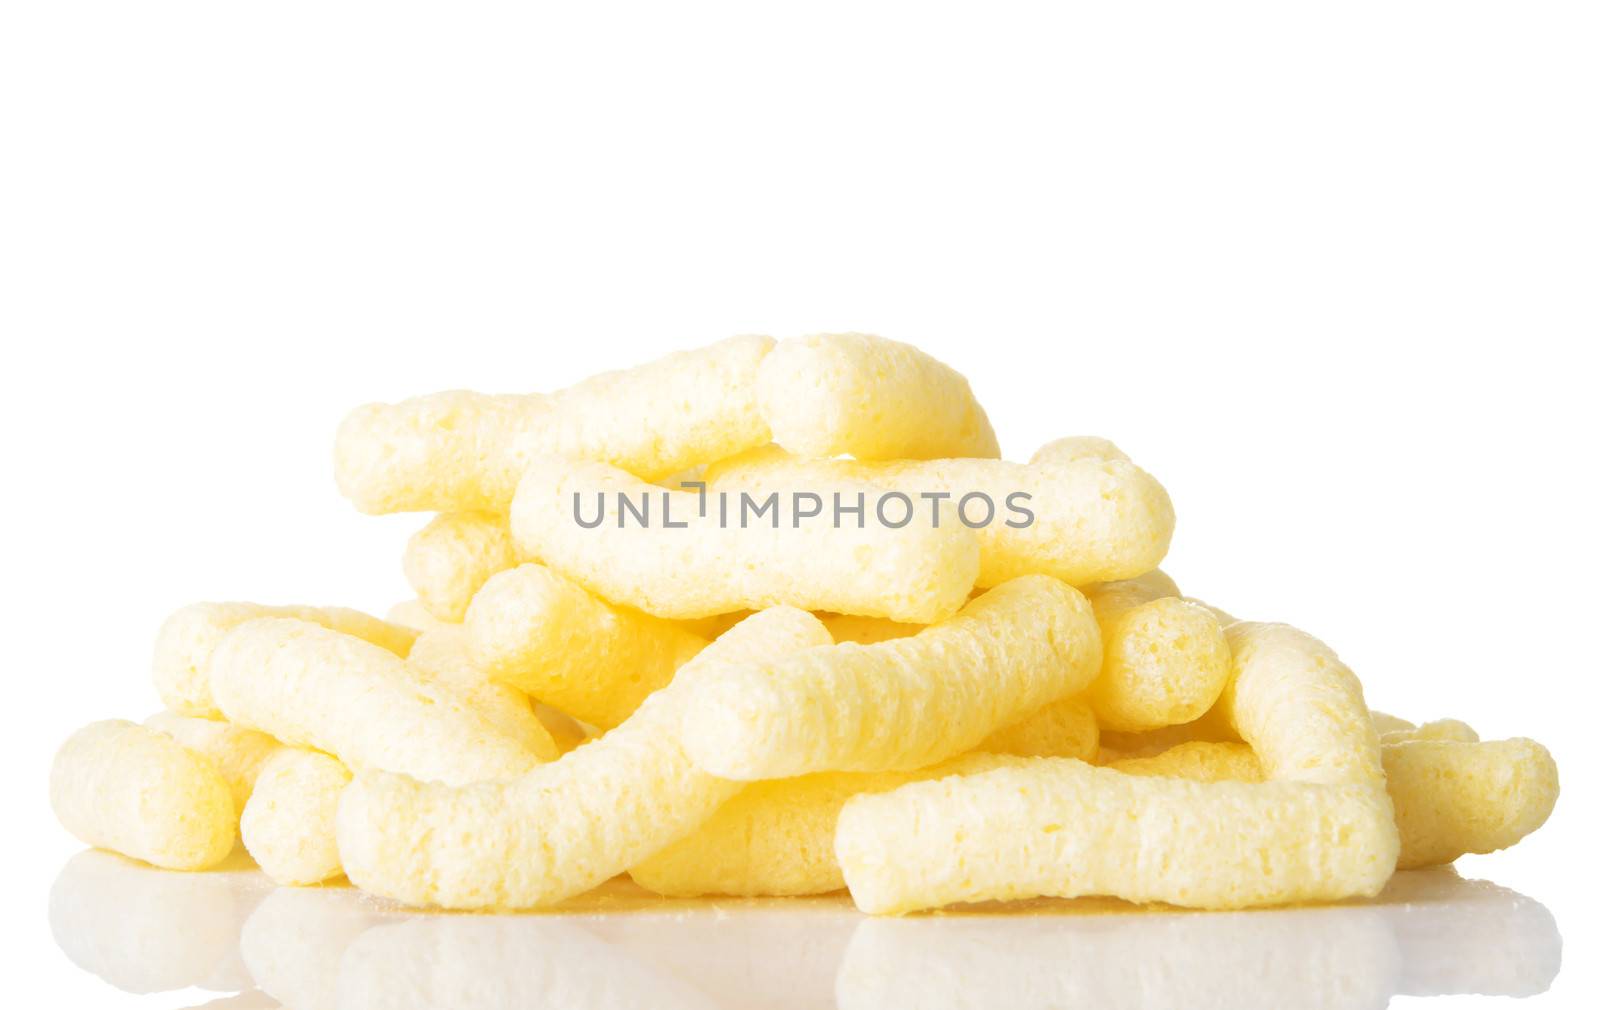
[901,704]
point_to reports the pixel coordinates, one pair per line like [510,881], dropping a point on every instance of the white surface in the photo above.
[1326,270]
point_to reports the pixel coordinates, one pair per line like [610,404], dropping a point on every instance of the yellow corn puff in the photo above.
[1065,728]
[313,687]
[852,393]
[1076,447]
[237,754]
[188,637]
[866,630]
[1166,660]
[121,786]
[287,825]
[450,559]
[1452,798]
[1062,828]
[900,704]
[1386,723]
[566,826]
[550,637]
[1089,521]
[776,837]
[413,615]
[915,573]
[462,452]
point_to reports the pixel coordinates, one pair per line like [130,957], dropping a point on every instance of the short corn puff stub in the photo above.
[915,573]
[121,786]
[550,637]
[565,827]
[900,704]
[1197,761]
[460,452]
[238,754]
[448,561]
[852,393]
[1092,520]
[288,824]
[776,837]
[1166,660]
[313,687]
[188,637]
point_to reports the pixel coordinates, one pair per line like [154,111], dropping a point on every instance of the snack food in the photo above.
[313,687]
[448,561]
[713,564]
[566,826]
[837,393]
[287,825]
[187,639]
[901,704]
[1087,521]
[548,636]
[121,786]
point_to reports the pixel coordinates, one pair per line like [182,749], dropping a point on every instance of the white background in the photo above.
[1328,270]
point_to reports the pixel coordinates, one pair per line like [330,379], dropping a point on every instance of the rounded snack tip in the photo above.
[121,786]
[288,824]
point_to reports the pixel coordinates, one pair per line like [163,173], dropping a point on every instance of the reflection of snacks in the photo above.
[901,704]
[565,827]
[120,786]
[144,930]
[792,581]
[288,824]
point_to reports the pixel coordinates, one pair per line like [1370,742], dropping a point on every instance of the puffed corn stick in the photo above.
[1324,829]
[1452,798]
[413,615]
[187,638]
[449,560]
[1093,520]
[441,655]
[900,704]
[121,786]
[1063,828]
[833,394]
[550,637]
[238,754]
[313,687]
[1384,722]
[776,837]
[916,573]
[458,452]
[1076,447]
[287,825]
[566,826]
